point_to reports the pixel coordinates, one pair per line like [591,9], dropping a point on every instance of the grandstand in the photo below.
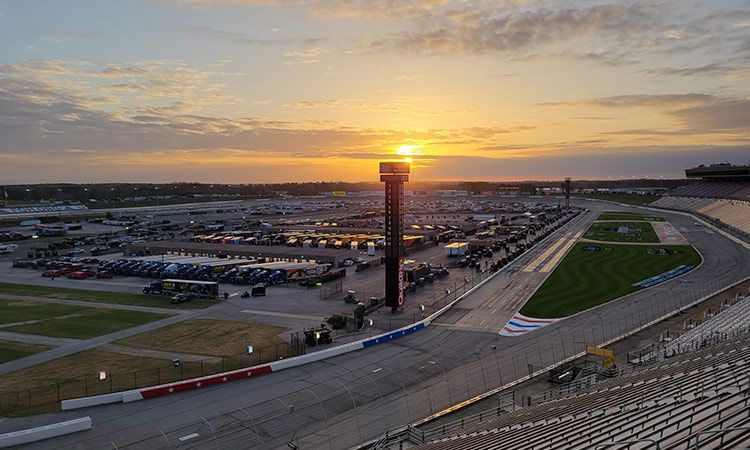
[694,400]
[732,320]
[721,194]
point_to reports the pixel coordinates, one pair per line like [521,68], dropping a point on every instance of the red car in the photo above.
[104,274]
[51,273]
[78,275]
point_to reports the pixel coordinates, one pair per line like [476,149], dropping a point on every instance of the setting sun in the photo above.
[408,150]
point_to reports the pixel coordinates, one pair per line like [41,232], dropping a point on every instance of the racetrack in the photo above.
[355,397]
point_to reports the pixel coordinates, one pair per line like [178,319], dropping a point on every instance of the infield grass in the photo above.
[629,217]
[585,279]
[622,232]
[629,199]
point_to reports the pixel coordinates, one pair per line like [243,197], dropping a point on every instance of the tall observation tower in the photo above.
[567,192]
[394,174]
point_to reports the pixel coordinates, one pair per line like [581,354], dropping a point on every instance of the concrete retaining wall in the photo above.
[44,432]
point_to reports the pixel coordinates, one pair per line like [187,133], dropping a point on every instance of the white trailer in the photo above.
[456,249]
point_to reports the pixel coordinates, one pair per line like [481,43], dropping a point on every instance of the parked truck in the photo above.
[204,289]
[8,248]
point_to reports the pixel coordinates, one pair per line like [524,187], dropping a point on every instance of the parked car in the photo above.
[51,273]
[184,297]
[104,275]
[79,275]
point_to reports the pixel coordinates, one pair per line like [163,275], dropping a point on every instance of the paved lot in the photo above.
[348,399]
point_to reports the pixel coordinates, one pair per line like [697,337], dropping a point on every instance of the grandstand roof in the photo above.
[719,171]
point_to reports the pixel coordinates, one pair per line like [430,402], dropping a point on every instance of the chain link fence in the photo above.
[38,398]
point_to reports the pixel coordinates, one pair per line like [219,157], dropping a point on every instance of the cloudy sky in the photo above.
[295,90]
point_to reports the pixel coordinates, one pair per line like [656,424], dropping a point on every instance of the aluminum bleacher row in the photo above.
[678,403]
[734,213]
[731,321]
[715,189]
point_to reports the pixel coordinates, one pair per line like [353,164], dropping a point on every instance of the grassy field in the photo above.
[629,217]
[628,199]
[18,311]
[40,388]
[15,350]
[68,321]
[87,324]
[610,231]
[121,298]
[35,390]
[588,278]
[208,337]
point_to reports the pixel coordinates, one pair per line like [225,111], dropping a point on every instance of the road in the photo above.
[351,398]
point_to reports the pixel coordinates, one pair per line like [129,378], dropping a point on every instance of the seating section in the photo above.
[732,213]
[673,403]
[715,189]
[733,320]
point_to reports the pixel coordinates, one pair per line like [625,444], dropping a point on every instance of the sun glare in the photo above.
[408,150]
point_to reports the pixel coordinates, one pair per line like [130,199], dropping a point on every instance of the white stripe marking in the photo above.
[188,437]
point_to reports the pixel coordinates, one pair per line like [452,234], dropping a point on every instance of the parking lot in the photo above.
[304,248]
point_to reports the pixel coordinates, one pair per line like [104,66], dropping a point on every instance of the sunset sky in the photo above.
[244,91]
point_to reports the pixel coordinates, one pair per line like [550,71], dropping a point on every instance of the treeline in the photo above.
[122,191]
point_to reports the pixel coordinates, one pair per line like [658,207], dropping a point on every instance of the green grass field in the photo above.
[610,231]
[121,298]
[19,311]
[16,350]
[628,199]
[87,324]
[68,321]
[629,217]
[208,337]
[588,278]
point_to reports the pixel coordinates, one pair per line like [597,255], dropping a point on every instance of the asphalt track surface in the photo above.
[356,397]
